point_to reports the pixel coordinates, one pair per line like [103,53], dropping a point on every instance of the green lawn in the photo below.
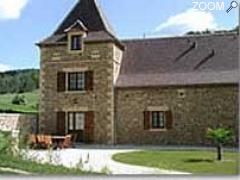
[31,106]
[37,169]
[196,162]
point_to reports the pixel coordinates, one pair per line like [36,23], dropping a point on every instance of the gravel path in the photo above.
[97,160]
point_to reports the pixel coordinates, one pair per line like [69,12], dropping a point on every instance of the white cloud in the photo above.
[190,20]
[4,68]
[11,9]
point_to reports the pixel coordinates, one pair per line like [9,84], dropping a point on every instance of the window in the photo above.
[158,120]
[76,42]
[70,121]
[79,121]
[76,81]
[76,121]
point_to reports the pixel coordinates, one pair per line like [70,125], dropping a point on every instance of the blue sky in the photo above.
[25,22]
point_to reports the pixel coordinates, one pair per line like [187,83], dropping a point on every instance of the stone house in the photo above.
[141,91]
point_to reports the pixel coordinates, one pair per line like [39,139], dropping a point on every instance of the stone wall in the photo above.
[15,122]
[96,57]
[194,109]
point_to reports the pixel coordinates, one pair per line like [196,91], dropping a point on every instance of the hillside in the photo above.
[19,81]
[31,105]
[22,83]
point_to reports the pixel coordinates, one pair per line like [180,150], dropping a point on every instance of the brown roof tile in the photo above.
[169,61]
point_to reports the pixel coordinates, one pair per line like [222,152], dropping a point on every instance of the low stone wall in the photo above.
[16,122]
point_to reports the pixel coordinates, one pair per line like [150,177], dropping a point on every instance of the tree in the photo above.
[220,136]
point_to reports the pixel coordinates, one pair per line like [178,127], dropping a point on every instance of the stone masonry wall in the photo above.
[97,57]
[15,122]
[194,110]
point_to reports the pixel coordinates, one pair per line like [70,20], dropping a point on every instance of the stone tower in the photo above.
[80,63]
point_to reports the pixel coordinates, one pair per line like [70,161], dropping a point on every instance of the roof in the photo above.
[204,59]
[90,16]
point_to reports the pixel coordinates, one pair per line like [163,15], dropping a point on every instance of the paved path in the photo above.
[15,171]
[95,159]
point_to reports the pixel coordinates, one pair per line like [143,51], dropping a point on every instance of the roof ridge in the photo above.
[179,37]
[106,23]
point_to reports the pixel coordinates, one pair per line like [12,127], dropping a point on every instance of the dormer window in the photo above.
[76,42]
[76,32]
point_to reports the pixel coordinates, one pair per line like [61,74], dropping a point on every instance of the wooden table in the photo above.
[58,140]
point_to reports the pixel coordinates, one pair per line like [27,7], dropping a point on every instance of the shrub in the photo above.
[19,100]
[5,142]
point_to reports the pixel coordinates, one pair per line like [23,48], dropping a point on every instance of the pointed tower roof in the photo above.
[90,14]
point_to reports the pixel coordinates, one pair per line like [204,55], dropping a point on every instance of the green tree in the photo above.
[220,136]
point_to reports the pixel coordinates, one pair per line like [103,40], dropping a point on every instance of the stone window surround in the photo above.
[78,77]
[72,70]
[157,109]
[72,109]
[74,113]
[70,34]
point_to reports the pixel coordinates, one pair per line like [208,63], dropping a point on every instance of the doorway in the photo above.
[76,124]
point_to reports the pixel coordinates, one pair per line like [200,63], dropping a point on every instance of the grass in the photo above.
[196,162]
[37,169]
[31,106]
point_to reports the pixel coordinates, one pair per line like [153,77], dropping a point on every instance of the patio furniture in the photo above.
[44,141]
[74,139]
[67,143]
[32,141]
[48,141]
[58,141]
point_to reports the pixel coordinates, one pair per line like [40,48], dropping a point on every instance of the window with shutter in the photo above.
[169,119]
[61,81]
[89,127]
[76,81]
[61,123]
[89,80]
[158,120]
[146,120]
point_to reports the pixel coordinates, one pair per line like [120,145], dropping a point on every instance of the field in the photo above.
[30,107]
[196,162]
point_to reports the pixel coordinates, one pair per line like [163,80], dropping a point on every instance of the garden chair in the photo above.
[41,142]
[33,141]
[67,142]
[74,140]
[48,141]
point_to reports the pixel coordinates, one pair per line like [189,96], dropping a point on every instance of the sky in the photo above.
[25,22]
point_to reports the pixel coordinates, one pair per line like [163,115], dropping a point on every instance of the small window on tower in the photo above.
[76,42]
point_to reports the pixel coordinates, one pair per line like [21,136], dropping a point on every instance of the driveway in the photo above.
[94,158]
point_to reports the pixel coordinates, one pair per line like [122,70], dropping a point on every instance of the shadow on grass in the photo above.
[198,160]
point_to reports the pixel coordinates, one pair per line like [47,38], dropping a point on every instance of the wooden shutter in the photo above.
[147,120]
[169,119]
[89,80]
[61,123]
[61,81]
[89,127]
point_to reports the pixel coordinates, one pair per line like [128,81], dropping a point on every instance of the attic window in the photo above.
[76,42]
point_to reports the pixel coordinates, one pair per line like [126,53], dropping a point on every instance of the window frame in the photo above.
[76,42]
[75,34]
[77,80]
[158,115]
[74,119]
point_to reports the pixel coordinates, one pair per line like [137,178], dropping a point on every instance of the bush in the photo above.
[19,100]
[5,142]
